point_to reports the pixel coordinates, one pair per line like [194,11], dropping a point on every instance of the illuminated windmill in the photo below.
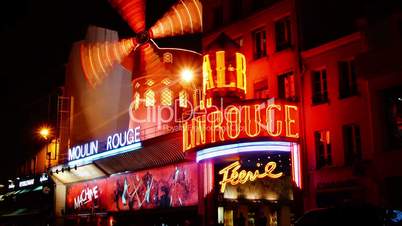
[98,59]
[154,70]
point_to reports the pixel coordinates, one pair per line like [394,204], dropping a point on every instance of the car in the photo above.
[351,215]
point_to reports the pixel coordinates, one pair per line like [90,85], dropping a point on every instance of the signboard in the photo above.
[241,121]
[170,186]
[238,176]
[30,181]
[116,143]
[263,176]
[25,183]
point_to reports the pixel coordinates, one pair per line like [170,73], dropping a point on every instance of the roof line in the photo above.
[357,36]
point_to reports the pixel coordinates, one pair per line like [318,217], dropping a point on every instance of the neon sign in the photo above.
[116,143]
[244,121]
[25,183]
[246,147]
[227,76]
[86,196]
[232,175]
[43,178]
[83,150]
[11,186]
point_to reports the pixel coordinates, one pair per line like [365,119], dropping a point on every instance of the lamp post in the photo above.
[45,133]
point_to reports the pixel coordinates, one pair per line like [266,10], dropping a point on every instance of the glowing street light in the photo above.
[187,75]
[44,132]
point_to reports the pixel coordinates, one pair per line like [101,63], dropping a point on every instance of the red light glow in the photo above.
[133,12]
[275,121]
[183,18]
[97,59]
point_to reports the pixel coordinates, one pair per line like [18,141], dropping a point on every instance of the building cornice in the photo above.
[354,37]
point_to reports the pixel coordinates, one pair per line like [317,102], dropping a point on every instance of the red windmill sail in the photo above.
[99,58]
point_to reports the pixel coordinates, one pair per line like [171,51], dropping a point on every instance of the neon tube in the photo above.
[106,154]
[265,146]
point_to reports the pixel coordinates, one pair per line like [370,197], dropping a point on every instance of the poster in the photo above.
[170,186]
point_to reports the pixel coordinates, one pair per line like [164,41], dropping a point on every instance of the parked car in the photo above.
[348,216]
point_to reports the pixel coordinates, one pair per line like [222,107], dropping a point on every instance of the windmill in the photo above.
[154,70]
[141,51]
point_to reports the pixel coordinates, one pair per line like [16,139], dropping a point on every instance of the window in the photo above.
[261,89]
[166,97]
[323,148]
[183,98]
[260,44]
[286,86]
[320,89]
[283,34]
[392,100]
[136,100]
[149,98]
[347,79]
[351,143]
[239,41]
[197,96]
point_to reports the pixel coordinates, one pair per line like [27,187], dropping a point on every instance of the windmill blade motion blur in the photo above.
[133,12]
[185,17]
[99,58]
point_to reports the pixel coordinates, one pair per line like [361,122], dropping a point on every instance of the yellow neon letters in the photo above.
[232,175]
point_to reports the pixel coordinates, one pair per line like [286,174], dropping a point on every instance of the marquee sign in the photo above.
[116,143]
[241,121]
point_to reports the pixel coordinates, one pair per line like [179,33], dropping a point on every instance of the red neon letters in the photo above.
[246,121]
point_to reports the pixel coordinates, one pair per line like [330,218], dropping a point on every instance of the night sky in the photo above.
[37,35]
[36,38]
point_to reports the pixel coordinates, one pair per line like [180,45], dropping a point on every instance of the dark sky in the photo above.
[326,20]
[36,37]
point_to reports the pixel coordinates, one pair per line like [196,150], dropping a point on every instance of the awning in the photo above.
[87,172]
[22,212]
[156,152]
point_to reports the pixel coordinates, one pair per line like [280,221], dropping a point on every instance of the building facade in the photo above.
[262,133]
[339,88]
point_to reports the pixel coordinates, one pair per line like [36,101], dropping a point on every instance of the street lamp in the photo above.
[187,75]
[44,132]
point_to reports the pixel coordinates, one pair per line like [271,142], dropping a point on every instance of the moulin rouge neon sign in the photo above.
[115,142]
[244,121]
[226,71]
[231,174]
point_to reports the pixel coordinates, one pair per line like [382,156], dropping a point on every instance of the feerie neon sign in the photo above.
[114,142]
[245,121]
[232,175]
